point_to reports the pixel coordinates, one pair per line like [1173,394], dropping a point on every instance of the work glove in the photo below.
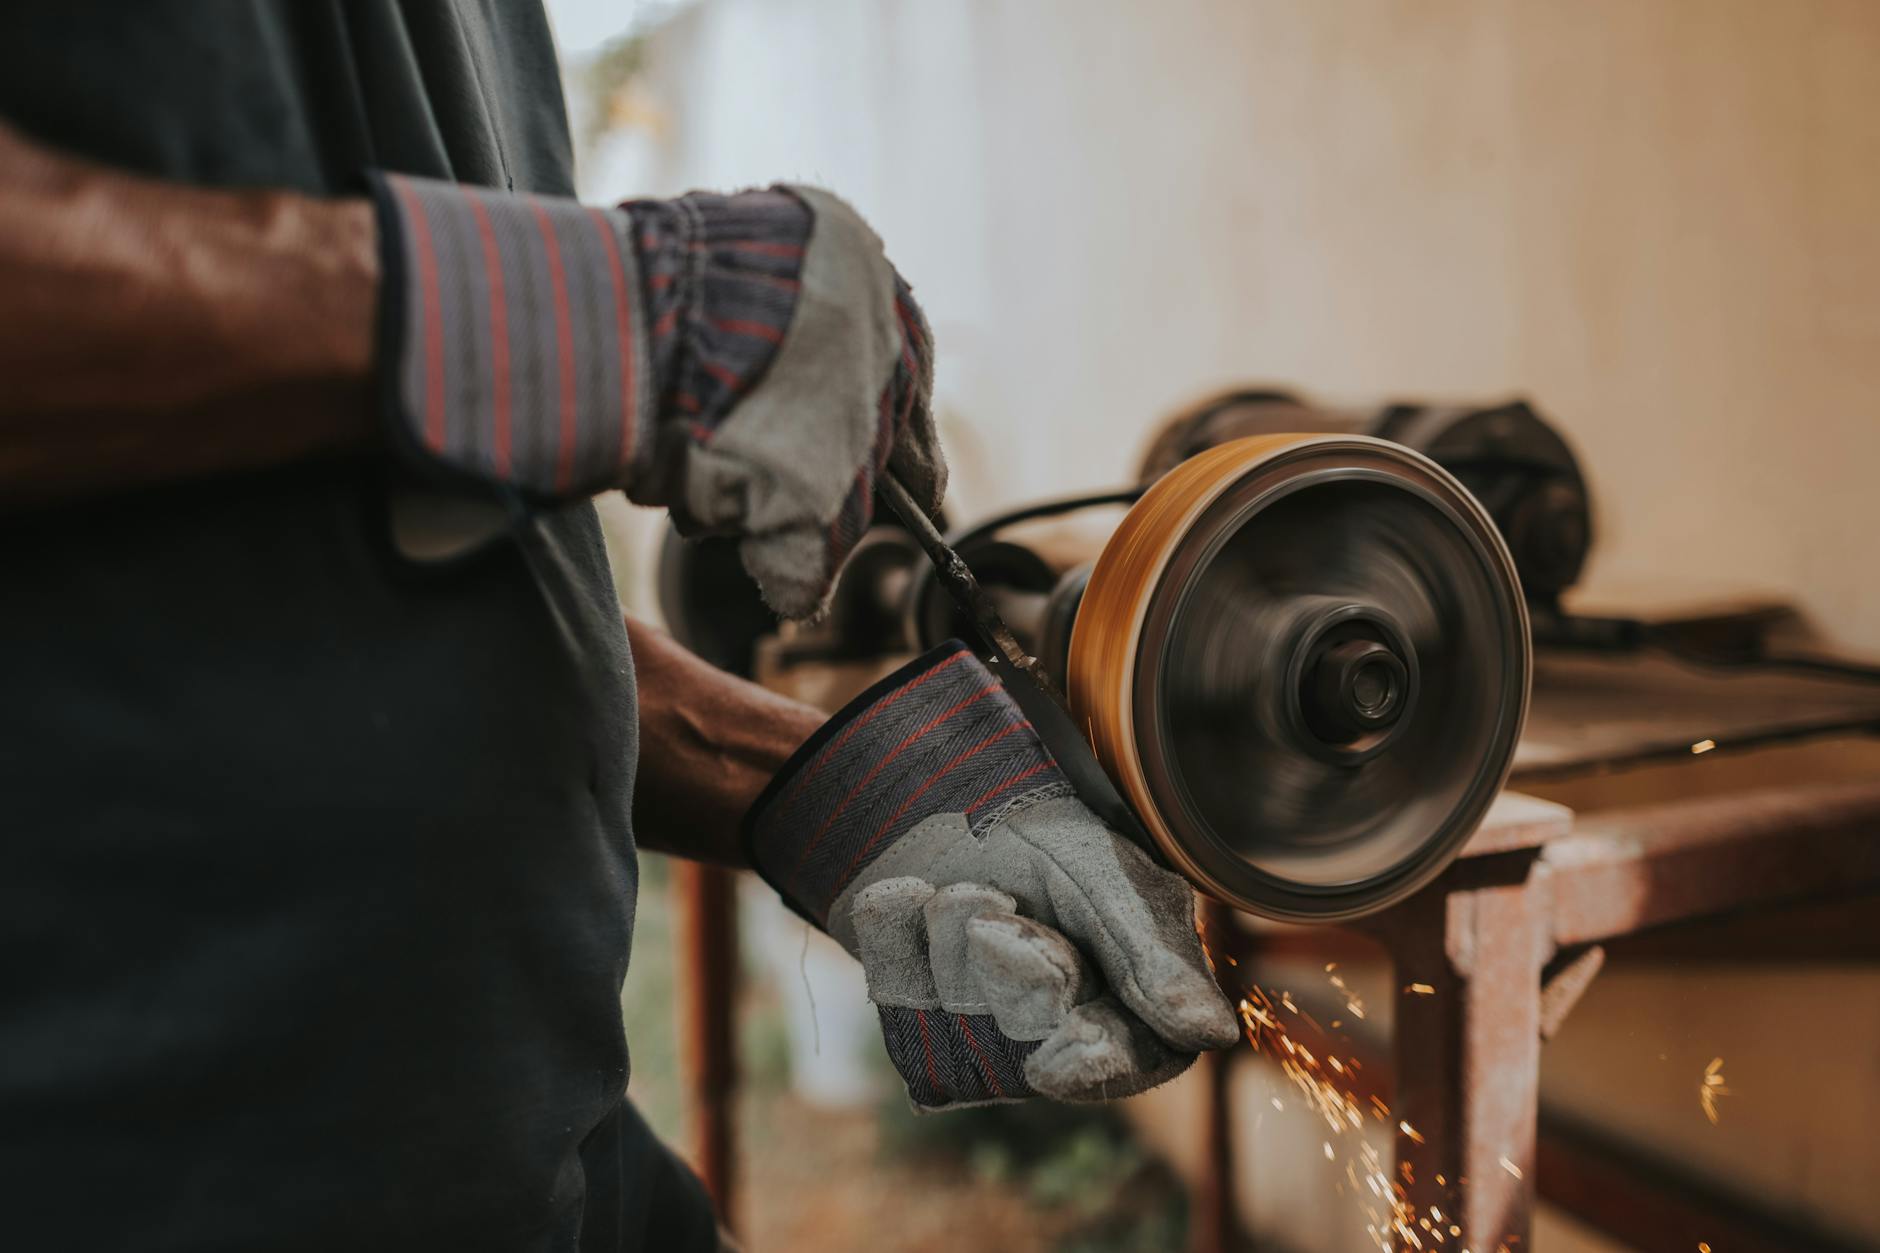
[1013,945]
[751,362]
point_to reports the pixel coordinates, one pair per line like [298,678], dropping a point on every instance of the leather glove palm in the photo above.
[1012,944]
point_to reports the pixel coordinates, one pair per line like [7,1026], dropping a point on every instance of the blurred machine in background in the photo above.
[1302,654]
[1506,454]
[1302,657]
[1300,646]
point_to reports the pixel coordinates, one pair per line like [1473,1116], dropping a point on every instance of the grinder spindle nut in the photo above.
[1304,660]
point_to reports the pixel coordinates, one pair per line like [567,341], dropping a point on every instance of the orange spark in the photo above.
[1712,1088]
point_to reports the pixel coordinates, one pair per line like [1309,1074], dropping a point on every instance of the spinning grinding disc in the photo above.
[1304,661]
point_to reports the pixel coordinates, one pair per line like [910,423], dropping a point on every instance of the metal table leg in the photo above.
[1469,958]
[708,946]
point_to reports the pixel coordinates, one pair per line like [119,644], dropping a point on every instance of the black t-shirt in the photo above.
[316,880]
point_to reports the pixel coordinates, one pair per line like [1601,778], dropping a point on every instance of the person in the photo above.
[325,749]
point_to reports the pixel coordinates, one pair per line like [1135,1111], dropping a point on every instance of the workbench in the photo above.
[1490,959]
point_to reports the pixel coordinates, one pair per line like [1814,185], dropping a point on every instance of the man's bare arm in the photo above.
[151,331]
[709,742]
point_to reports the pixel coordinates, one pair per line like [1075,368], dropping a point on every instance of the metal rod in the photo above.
[960,584]
[706,897]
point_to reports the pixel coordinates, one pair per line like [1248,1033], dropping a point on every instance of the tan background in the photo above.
[1658,219]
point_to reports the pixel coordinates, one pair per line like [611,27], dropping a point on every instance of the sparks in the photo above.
[1420,989]
[1353,1004]
[1510,1167]
[1325,1081]
[1703,746]
[1712,1089]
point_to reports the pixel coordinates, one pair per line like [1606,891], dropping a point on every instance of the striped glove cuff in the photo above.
[560,350]
[941,735]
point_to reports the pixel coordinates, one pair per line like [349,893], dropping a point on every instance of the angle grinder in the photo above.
[1302,662]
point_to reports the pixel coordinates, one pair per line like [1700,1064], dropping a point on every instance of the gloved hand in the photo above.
[1012,944]
[751,362]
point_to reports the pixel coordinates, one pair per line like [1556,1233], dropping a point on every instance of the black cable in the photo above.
[925,583]
[1044,509]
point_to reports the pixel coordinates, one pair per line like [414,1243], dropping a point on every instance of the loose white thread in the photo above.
[802,970]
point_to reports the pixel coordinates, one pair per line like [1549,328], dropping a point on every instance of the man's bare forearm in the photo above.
[151,331]
[709,743]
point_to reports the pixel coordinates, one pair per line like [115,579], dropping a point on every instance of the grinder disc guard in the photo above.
[1304,660]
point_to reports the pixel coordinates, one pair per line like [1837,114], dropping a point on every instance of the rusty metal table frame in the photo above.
[1506,939]
[705,904]
[1509,937]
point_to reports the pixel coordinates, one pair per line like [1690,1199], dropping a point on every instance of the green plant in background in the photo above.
[1078,1162]
[763,1046]
[605,82]
[646,1003]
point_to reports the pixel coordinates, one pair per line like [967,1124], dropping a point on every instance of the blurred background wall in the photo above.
[1656,219]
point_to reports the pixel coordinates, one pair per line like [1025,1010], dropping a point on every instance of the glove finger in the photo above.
[947,913]
[794,567]
[1102,1052]
[1135,919]
[891,940]
[1030,976]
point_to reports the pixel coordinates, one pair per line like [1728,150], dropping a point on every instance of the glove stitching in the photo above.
[1019,804]
[981,1008]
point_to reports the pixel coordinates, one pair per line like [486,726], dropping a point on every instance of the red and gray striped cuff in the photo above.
[955,1059]
[722,277]
[939,736]
[514,340]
